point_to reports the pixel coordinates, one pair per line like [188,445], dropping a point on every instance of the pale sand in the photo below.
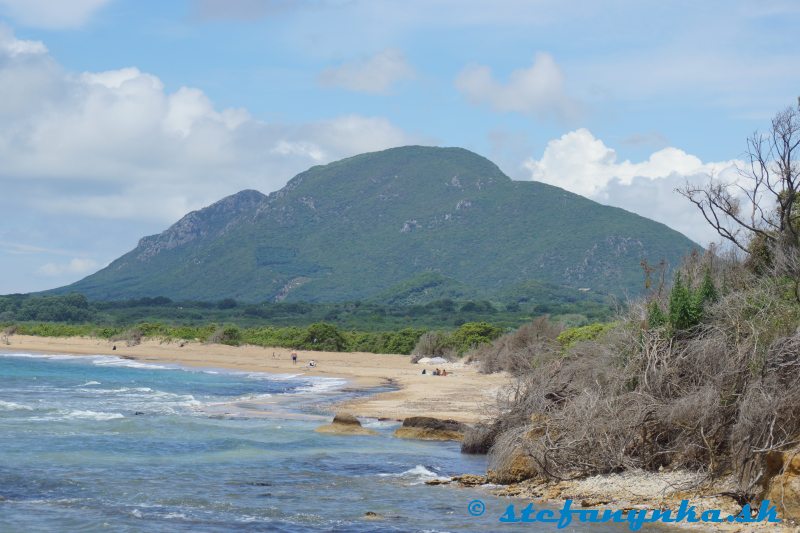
[464,395]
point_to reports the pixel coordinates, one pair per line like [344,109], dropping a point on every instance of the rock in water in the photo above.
[428,428]
[345,424]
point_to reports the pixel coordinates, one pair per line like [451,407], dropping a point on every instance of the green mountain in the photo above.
[404,225]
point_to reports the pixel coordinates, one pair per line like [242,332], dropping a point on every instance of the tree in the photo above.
[472,334]
[707,292]
[655,316]
[323,337]
[683,313]
[771,185]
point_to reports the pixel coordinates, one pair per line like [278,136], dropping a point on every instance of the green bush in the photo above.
[50,329]
[707,292]
[687,307]
[400,342]
[323,337]
[590,332]
[231,335]
[683,310]
[656,317]
[472,334]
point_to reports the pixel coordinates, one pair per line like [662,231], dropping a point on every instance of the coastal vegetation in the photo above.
[350,326]
[701,376]
[457,326]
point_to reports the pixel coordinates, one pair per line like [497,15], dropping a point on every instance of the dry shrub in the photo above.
[131,337]
[8,332]
[517,352]
[479,438]
[715,399]
[433,344]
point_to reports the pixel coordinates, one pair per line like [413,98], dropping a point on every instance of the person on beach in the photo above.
[444,372]
[294,358]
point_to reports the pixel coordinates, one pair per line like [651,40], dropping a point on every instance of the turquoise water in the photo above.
[99,443]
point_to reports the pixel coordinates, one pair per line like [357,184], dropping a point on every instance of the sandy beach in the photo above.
[463,395]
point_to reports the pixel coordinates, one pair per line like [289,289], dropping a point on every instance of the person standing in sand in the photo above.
[294,358]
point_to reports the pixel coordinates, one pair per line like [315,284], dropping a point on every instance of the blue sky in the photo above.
[119,116]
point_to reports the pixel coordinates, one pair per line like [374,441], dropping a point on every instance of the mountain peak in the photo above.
[390,220]
[394,172]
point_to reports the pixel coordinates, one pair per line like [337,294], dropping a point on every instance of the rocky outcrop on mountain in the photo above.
[208,222]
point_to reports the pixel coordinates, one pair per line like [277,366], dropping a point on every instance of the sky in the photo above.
[117,117]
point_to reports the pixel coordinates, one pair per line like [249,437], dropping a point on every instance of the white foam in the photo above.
[110,360]
[123,390]
[89,383]
[270,377]
[417,475]
[312,384]
[80,414]
[254,397]
[374,423]
[11,406]
[318,385]
[100,360]
[39,355]
[93,415]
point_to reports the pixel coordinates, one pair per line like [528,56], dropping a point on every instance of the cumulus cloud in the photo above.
[538,90]
[77,266]
[116,144]
[583,164]
[376,74]
[53,14]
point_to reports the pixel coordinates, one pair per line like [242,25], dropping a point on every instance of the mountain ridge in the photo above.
[355,228]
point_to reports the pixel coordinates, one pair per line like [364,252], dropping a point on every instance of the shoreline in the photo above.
[464,395]
[416,395]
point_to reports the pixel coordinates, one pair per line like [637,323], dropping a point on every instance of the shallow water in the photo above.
[101,443]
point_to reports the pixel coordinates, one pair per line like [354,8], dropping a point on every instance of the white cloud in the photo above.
[12,47]
[77,266]
[583,164]
[116,145]
[51,13]
[376,74]
[538,90]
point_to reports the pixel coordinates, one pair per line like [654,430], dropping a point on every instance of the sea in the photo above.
[102,443]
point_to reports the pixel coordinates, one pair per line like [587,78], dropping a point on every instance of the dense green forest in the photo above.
[354,326]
